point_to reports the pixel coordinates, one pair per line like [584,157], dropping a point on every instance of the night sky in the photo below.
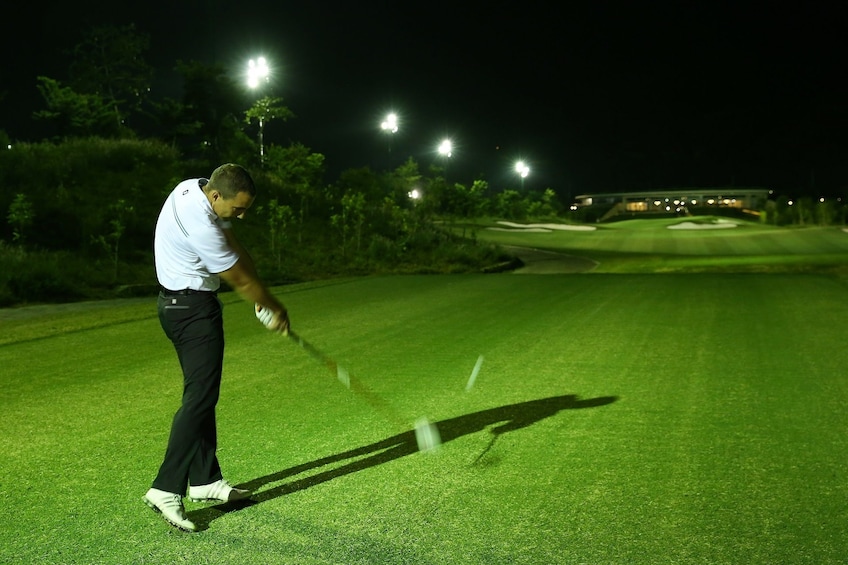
[594,96]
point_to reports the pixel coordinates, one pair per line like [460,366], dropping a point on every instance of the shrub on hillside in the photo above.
[72,185]
[38,276]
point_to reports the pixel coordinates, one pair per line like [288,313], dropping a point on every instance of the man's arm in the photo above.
[243,278]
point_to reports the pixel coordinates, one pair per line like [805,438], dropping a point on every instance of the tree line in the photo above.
[82,201]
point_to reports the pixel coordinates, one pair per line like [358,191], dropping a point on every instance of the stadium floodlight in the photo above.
[390,124]
[257,72]
[523,170]
[446,148]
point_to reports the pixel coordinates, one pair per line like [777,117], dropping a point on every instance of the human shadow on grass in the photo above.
[508,418]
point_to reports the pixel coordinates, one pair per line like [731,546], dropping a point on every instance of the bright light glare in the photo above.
[446,148]
[415,194]
[257,71]
[390,124]
[522,169]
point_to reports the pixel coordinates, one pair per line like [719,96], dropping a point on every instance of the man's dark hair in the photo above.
[229,179]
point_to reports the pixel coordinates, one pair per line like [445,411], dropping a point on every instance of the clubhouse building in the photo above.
[681,201]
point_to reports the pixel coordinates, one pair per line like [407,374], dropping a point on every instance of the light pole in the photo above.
[390,126]
[446,150]
[257,74]
[522,170]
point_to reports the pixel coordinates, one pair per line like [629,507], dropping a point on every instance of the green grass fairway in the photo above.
[706,245]
[639,418]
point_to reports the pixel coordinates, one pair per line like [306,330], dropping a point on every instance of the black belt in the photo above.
[184,292]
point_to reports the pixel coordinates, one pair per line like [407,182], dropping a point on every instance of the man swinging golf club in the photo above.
[194,248]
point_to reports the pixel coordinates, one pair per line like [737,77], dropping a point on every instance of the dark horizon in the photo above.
[594,97]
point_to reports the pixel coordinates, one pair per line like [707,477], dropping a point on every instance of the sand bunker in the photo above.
[540,228]
[717,225]
[528,230]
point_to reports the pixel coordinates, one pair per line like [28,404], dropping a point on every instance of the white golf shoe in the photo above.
[219,491]
[170,506]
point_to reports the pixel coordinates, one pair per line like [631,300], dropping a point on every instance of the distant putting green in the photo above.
[636,418]
[681,245]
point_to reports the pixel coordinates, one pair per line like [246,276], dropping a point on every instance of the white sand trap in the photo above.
[523,230]
[541,228]
[717,225]
[845,230]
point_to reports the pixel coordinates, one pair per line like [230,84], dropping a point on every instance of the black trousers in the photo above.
[194,323]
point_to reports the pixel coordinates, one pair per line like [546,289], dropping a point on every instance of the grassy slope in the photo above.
[649,246]
[717,434]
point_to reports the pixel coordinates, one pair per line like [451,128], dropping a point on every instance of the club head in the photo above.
[427,436]
[343,375]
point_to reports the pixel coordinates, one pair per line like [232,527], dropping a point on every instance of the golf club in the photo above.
[474,373]
[340,372]
[426,434]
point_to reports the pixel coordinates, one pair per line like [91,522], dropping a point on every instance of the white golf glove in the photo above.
[274,322]
[265,316]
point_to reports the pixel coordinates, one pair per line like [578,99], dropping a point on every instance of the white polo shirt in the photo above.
[189,245]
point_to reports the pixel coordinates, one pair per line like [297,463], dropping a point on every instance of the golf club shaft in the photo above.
[354,384]
[315,352]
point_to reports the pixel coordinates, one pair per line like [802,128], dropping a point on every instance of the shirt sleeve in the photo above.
[212,248]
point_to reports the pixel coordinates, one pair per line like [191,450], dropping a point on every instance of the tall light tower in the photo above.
[522,170]
[258,74]
[390,126]
[446,150]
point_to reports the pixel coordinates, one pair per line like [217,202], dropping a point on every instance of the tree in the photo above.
[172,117]
[550,204]
[109,63]
[300,170]
[262,111]
[20,217]
[119,213]
[74,114]
[212,101]
[402,180]
[804,210]
[544,204]
[825,212]
[509,205]
[349,221]
[783,213]
[457,200]
[475,199]
[279,217]
[362,180]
